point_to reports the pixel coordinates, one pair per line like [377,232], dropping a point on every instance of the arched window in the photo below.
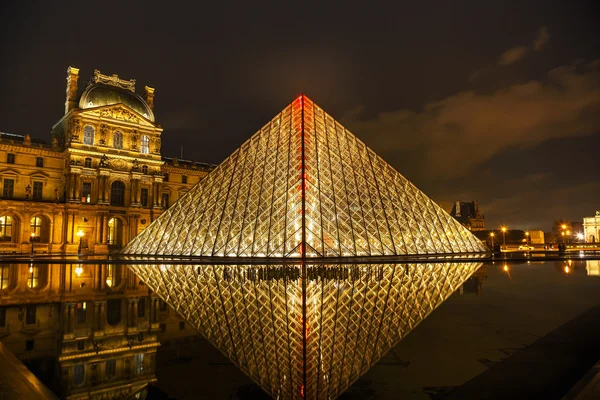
[145,144]
[88,135]
[113,275]
[6,223]
[114,231]
[36,229]
[33,277]
[117,193]
[118,140]
[78,374]
[4,276]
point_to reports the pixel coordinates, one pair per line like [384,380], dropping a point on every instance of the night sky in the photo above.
[493,101]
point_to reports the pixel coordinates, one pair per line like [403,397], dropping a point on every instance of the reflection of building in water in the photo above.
[592,267]
[305,332]
[86,331]
[468,214]
[475,283]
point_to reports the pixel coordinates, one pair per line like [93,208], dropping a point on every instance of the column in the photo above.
[77,187]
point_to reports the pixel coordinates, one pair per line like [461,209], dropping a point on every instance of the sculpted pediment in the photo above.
[118,112]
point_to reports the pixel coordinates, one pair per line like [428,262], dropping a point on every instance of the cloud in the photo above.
[541,38]
[512,55]
[451,136]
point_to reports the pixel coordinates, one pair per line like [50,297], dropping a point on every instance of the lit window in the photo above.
[36,228]
[86,192]
[10,158]
[4,277]
[81,312]
[138,364]
[33,277]
[39,162]
[145,145]
[118,140]
[113,231]
[5,228]
[88,135]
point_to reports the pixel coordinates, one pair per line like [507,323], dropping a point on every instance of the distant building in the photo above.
[467,213]
[591,228]
[536,236]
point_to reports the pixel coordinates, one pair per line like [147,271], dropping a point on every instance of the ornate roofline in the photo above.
[114,80]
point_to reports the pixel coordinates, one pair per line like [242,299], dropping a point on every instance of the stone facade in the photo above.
[591,228]
[101,180]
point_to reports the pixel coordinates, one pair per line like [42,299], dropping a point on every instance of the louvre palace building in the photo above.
[100,181]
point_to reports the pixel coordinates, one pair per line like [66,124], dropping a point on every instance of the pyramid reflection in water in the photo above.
[305,331]
[304,186]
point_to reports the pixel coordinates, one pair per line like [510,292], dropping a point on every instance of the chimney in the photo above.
[72,77]
[149,97]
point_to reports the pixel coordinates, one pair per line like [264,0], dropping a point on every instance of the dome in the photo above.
[99,95]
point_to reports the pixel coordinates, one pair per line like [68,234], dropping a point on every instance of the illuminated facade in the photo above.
[103,173]
[468,214]
[591,228]
[89,331]
[305,331]
[304,186]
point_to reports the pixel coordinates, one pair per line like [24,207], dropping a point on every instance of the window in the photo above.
[88,135]
[81,312]
[36,228]
[162,306]
[39,162]
[118,140]
[2,317]
[138,364]
[86,192]
[111,369]
[5,228]
[78,374]
[144,196]
[37,190]
[87,163]
[183,179]
[10,158]
[30,314]
[144,169]
[9,188]
[80,344]
[145,145]
[166,178]
[4,276]
[33,277]
[117,193]
[114,230]
[141,308]
[113,312]
[29,345]
[165,200]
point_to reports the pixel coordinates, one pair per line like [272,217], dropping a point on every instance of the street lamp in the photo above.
[31,240]
[80,234]
[492,236]
[527,237]
[503,229]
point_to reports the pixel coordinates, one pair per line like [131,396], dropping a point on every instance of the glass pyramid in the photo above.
[305,331]
[304,186]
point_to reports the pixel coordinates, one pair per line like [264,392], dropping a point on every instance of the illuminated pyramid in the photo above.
[304,186]
[305,331]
